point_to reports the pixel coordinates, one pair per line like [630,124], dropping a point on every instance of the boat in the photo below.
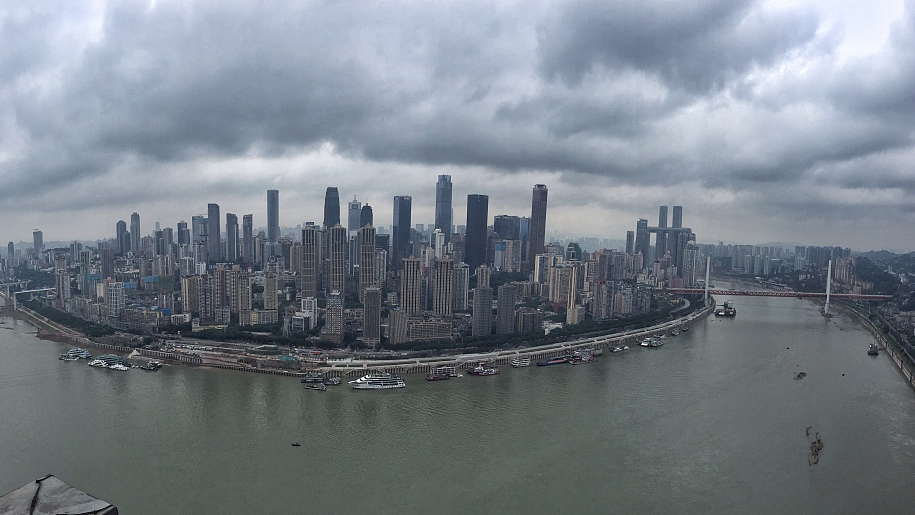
[97,363]
[118,366]
[316,386]
[521,361]
[333,381]
[67,357]
[313,377]
[377,381]
[686,328]
[554,361]
[432,376]
[446,371]
[296,444]
[151,366]
[598,351]
[726,310]
[584,357]
[675,333]
[79,353]
[483,370]
[873,350]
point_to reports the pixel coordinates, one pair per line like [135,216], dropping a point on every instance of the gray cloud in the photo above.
[155,103]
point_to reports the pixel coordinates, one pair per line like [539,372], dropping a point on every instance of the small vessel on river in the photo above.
[873,350]
[521,361]
[554,361]
[483,370]
[377,381]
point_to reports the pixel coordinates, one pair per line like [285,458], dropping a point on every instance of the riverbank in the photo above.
[889,346]
[357,368]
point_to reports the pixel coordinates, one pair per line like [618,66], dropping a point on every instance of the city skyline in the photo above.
[769,121]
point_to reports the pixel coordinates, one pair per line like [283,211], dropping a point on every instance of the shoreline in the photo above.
[358,368]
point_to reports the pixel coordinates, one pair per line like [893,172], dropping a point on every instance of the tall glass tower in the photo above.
[331,208]
[273,215]
[475,240]
[538,224]
[400,248]
[214,239]
[443,206]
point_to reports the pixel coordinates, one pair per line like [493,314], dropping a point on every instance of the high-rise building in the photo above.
[336,252]
[538,223]
[309,260]
[630,242]
[481,323]
[371,321]
[366,260]
[365,216]
[333,315]
[442,289]
[507,227]
[273,215]
[353,214]
[247,238]
[135,235]
[270,289]
[400,246]
[678,217]
[410,285]
[61,280]
[231,237]
[438,243]
[505,310]
[461,287]
[184,235]
[214,239]
[443,206]
[116,300]
[122,237]
[642,243]
[331,208]
[660,246]
[475,240]
[483,272]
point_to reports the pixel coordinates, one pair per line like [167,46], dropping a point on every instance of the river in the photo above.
[713,422]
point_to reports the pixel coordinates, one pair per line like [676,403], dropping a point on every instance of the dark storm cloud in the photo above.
[696,46]
[739,95]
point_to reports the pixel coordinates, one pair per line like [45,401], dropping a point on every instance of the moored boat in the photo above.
[483,370]
[554,361]
[432,376]
[316,386]
[872,350]
[333,381]
[313,377]
[377,381]
[521,361]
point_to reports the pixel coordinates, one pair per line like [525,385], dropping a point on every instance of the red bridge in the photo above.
[770,293]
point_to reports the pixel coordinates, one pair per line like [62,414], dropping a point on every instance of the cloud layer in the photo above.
[761,119]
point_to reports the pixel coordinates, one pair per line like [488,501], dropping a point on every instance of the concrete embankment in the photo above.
[889,347]
[425,365]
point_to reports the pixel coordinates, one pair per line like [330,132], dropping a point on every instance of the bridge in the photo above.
[770,293]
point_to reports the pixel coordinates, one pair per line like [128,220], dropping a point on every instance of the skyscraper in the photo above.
[366,217]
[630,242]
[336,252]
[538,224]
[331,208]
[309,260]
[273,215]
[410,285]
[661,238]
[442,288]
[678,217]
[443,206]
[366,260]
[642,243]
[507,226]
[475,242]
[214,238]
[184,235]
[461,287]
[247,238]
[231,237]
[482,312]
[400,247]
[135,232]
[371,322]
[505,311]
[353,214]
[122,237]
[38,242]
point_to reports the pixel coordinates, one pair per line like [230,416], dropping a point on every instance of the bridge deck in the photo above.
[771,293]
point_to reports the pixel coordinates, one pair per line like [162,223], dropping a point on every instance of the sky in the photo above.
[785,121]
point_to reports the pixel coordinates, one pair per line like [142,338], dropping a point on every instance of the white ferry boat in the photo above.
[377,381]
[521,361]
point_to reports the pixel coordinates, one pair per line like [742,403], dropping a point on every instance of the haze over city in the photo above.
[767,121]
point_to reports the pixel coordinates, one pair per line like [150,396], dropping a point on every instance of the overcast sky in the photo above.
[767,121]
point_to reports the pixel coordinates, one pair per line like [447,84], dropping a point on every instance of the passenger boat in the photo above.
[432,376]
[377,381]
[151,366]
[521,361]
[483,370]
[333,381]
[446,371]
[313,377]
[67,357]
[79,353]
[554,361]
[872,350]
[316,386]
